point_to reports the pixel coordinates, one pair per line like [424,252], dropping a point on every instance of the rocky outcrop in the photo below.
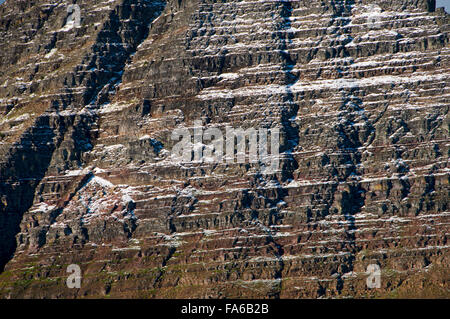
[359,90]
[55,75]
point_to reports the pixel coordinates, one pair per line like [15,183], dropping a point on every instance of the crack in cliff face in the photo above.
[116,45]
[290,113]
[355,131]
[288,116]
[289,141]
[31,157]
[348,144]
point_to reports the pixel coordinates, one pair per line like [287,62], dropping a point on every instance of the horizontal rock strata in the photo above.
[359,90]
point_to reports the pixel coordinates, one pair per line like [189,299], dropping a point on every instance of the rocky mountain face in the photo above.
[358,88]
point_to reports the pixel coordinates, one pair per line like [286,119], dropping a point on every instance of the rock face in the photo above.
[359,90]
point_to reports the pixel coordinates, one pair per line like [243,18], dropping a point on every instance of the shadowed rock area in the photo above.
[359,90]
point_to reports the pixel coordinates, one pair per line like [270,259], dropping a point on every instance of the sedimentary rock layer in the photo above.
[359,90]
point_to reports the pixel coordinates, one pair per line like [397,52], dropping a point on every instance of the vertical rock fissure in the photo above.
[290,131]
[348,145]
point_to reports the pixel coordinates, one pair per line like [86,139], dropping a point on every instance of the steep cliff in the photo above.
[359,90]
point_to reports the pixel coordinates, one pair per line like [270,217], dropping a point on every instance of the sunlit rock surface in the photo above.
[360,90]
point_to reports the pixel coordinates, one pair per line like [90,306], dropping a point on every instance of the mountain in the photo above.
[92,93]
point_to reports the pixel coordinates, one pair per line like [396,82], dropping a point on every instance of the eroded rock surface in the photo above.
[358,88]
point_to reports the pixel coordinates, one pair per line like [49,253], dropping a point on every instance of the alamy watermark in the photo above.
[74,17]
[374,279]
[241,146]
[374,16]
[74,280]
